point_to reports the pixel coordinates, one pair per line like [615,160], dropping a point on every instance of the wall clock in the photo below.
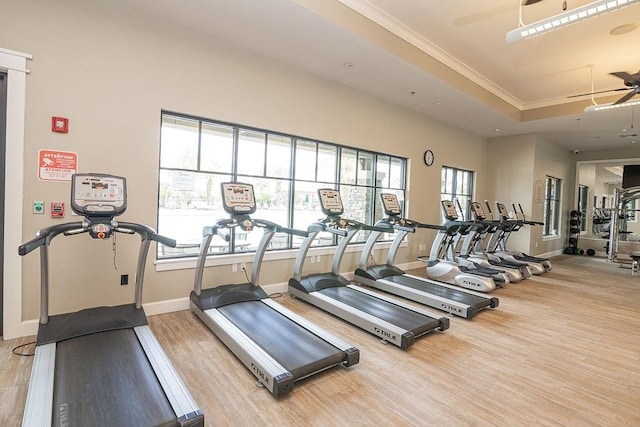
[428,157]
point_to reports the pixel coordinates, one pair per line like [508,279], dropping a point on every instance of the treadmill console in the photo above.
[330,202]
[238,198]
[502,210]
[98,195]
[390,204]
[478,211]
[449,209]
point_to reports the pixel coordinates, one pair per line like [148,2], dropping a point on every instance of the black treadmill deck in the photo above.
[105,379]
[298,350]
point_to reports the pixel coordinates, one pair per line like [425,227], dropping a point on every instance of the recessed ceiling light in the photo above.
[437,103]
[623,29]
[498,130]
[348,65]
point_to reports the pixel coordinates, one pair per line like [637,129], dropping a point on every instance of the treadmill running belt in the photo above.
[399,316]
[441,291]
[299,351]
[105,379]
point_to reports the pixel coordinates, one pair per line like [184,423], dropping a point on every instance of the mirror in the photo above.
[596,181]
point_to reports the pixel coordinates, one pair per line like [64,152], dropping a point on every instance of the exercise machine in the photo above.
[473,249]
[103,365]
[391,279]
[469,228]
[621,199]
[498,241]
[388,318]
[441,265]
[275,344]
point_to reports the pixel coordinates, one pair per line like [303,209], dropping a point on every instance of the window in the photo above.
[196,155]
[457,184]
[552,207]
[583,198]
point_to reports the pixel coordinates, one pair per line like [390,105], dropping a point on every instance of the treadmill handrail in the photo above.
[46,235]
[245,222]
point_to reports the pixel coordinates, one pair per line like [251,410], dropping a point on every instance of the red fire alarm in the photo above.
[57,209]
[60,124]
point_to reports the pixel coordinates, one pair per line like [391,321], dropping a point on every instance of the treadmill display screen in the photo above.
[391,204]
[502,210]
[478,211]
[449,210]
[330,201]
[98,194]
[238,198]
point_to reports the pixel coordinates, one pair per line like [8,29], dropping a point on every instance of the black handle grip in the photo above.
[167,241]
[32,244]
[293,231]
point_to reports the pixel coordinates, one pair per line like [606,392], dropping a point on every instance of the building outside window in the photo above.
[552,207]
[197,155]
[457,184]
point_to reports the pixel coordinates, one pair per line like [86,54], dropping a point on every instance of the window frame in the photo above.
[551,207]
[463,198]
[371,186]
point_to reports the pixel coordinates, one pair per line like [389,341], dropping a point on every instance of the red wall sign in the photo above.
[54,165]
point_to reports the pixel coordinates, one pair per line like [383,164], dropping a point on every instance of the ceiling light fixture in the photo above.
[567,18]
[602,107]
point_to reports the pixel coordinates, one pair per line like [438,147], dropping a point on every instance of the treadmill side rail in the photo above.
[352,353]
[38,408]
[265,368]
[185,408]
[385,330]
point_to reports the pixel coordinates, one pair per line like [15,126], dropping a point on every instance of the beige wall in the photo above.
[112,71]
[518,164]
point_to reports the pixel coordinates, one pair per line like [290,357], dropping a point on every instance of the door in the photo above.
[3,122]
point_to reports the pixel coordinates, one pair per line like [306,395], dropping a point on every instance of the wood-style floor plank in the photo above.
[561,349]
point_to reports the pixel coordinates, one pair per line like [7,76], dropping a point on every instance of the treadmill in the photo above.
[497,244]
[390,319]
[389,278]
[275,344]
[102,366]
[473,249]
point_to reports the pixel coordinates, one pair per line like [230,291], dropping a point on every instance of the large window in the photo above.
[552,206]
[196,155]
[457,184]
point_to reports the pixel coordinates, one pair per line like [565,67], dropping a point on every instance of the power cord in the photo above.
[275,295]
[113,247]
[245,274]
[14,349]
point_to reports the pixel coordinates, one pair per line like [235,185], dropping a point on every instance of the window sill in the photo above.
[551,238]
[215,260]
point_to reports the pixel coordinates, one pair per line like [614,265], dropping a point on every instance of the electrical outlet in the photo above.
[124,279]
[243,266]
[312,260]
[234,268]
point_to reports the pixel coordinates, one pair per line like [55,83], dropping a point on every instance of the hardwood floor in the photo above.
[561,349]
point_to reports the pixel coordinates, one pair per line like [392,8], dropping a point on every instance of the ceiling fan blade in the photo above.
[625,98]
[601,91]
[623,75]
[528,2]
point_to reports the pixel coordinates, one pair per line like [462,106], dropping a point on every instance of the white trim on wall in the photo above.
[14,63]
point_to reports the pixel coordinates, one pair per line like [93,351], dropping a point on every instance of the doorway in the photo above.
[3,133]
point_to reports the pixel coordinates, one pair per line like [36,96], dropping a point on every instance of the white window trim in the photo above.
[14,63]
[217,260]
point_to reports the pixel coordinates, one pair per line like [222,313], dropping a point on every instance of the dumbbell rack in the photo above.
[574,233]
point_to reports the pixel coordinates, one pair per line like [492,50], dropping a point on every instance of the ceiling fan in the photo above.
[528,2]
[631,81]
